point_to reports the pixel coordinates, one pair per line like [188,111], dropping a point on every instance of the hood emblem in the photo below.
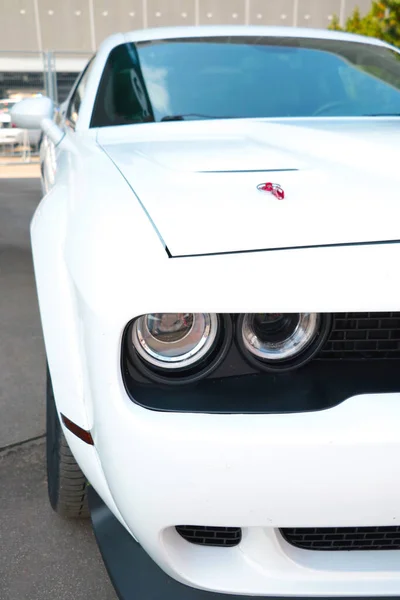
[274,188]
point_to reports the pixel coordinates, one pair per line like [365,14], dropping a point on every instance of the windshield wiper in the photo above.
[192,115]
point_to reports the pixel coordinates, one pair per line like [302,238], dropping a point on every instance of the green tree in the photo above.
[382,21]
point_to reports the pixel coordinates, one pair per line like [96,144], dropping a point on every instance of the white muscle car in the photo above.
[252,173]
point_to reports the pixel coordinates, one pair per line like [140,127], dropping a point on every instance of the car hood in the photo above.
[198,181]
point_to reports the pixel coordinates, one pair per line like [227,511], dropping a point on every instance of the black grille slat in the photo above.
[226,537]
[363,336]
[344,538]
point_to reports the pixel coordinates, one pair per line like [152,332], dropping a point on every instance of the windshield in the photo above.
[234,77]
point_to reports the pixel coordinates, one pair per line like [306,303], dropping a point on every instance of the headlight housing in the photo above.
[281,341]
[174,340]
[177,347]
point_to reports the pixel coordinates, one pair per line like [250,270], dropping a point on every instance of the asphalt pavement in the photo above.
[22,362]
[42,556]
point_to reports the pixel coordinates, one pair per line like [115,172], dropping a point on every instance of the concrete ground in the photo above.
[21,346]
[42,556]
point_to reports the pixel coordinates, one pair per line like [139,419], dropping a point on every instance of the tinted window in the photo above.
[74,105]
[123,97]
[247,77]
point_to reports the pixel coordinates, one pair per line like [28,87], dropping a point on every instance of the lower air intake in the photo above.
[344,538]
[211,536]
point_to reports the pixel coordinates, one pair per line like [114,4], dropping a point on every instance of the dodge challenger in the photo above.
[252,173]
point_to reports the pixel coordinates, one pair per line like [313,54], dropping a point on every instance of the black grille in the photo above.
[344,538]
[364,336]
[211,536]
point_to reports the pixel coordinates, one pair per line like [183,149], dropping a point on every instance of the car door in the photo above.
[66,116]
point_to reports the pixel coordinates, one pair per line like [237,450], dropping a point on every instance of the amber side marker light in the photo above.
[82,434]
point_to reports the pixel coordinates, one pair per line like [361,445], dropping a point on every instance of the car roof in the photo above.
[164,33]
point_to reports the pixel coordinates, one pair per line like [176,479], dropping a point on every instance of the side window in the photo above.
[122,97]
[74,105]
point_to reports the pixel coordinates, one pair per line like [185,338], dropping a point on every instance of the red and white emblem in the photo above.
[273,188]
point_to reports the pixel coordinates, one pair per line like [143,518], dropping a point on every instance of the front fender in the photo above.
[58,308]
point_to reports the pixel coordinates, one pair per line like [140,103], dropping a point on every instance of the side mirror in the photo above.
[37,113]
[29,113]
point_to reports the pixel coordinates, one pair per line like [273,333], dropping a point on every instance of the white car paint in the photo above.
[312,162]
[114,197]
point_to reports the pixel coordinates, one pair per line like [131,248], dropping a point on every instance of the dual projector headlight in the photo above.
[174,344]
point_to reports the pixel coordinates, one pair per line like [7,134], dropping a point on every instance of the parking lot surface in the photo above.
[22,360]
[42,556]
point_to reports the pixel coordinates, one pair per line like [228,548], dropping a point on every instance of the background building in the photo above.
[81,25]
[44,44]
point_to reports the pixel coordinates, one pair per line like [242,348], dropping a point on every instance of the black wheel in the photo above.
[66,484]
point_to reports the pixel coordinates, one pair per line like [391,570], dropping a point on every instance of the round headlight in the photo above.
[282,340]
[174,340]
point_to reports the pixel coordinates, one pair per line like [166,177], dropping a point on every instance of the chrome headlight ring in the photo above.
[174,340]
[176,348]
[281,341]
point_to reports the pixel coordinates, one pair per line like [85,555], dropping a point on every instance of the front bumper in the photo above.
[332,468]
[131,570]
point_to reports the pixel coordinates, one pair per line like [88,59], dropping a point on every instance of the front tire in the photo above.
[66,484]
